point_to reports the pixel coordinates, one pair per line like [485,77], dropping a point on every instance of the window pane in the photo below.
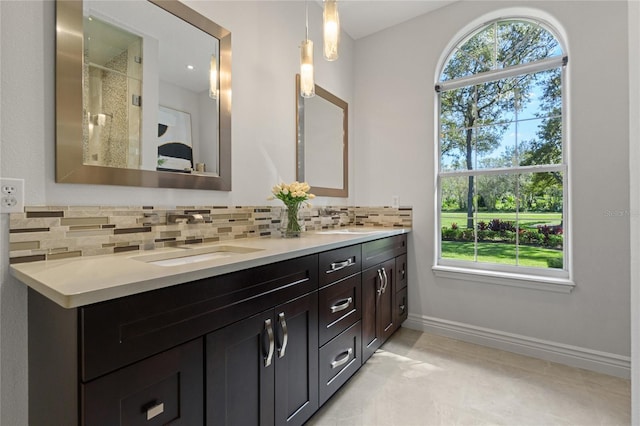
[474,56]
[539,95]
[454,150]
[456,218]
[496,201]
[541,237]
[495,102]
[520,42]
[496,146]
[540,141]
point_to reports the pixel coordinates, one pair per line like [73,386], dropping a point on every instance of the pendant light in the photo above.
[331,30]
[307,84]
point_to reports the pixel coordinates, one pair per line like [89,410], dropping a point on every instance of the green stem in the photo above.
[293,226]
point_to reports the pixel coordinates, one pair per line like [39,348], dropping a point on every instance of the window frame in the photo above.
[551,279]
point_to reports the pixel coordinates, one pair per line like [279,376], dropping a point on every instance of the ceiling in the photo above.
[360,18]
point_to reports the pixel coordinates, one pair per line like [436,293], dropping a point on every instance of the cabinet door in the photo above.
[377,306]
[240,363]
[164,389]
[296,360]
[386,301]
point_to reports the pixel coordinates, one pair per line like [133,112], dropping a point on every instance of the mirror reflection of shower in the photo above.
[99,126]
[112,94]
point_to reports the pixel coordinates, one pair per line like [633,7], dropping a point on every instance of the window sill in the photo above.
[557,285]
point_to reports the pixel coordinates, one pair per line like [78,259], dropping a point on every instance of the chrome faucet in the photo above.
[329,212]
[184,217]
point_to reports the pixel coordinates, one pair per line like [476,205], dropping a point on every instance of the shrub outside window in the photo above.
[502,166]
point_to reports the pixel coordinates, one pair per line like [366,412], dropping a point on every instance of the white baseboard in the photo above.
[574,356]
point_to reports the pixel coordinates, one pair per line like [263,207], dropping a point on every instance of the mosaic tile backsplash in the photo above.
[48,233]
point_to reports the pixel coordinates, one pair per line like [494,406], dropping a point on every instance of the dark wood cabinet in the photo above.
[383,281]
[263,370]
[340,306]
[296,360]
[262,346]
[240,384]
[378,300]
[339,360]
[164,389]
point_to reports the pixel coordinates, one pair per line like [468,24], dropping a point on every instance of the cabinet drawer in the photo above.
[401,307]
[339,360]
[122,331]
[378,251]
[340,307]
[163,389]
[401,272]
[339,263]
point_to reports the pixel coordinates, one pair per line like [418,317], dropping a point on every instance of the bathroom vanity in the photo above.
[262,332]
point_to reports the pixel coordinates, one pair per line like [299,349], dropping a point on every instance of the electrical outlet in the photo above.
[11,195]
[395,201]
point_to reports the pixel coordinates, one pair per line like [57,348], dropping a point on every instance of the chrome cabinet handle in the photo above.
[285,334]
[269,330]
[155,410]
[386,280]
[344,304]
[342,358]
[380,290]
[336,266]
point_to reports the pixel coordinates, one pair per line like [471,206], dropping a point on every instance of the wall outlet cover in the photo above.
[11,195]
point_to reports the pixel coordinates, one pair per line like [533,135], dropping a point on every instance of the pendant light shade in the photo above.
[307,83]
[331,30]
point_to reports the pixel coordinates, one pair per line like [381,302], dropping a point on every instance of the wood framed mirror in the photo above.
[322,142]
[163,127]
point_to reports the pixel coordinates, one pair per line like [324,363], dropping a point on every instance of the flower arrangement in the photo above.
[293,195]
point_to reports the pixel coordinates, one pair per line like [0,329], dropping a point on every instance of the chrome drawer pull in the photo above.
[285,334]
[336,266]
[343,360]
[154,411]
[381,289]
[269,330]
[341,306]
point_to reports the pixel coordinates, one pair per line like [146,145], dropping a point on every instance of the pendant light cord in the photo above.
[306,22]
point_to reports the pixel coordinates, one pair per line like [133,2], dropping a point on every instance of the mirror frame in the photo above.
[70,167]
[319,190]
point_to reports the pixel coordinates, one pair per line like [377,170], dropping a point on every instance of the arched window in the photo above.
[502,166]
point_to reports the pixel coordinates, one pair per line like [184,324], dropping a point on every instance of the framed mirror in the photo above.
[322,142]
[143,95]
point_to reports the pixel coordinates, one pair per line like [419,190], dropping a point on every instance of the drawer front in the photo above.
[340,307]
[339,360]
[401,272]
[378,251]
[339,263]
[401,308]
[122,331]
[163,389]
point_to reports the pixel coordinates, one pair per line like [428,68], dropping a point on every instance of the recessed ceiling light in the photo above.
[191,67]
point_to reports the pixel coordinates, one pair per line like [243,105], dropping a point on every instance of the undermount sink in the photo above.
[349,231]
[194,255]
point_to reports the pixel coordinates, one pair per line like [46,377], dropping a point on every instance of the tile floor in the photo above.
[423,379]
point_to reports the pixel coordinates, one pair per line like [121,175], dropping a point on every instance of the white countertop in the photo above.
[82,281]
